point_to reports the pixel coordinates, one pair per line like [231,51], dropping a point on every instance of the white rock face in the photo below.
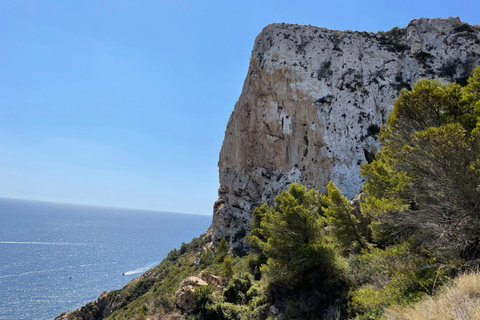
[313,102]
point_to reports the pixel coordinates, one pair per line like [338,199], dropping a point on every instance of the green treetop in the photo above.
[292,237]
[426,176]
[341,220]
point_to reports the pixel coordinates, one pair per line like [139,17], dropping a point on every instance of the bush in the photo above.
[202,296]
[223,311]
[222,251]
[227,267]
[207,257]
[397,275]
[237,288]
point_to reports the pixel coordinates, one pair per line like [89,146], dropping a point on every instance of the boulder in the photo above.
[184,295]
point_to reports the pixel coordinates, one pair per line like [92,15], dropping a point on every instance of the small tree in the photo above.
[227,267]
[291,236]
[207,256]
[222,251]
[344,224]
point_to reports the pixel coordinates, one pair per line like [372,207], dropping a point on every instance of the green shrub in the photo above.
[237,288]
[207,257]
[398,275]
[222,251]
[227,269]
[223,311]
[202,297]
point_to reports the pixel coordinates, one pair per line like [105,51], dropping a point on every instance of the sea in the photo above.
[56,257]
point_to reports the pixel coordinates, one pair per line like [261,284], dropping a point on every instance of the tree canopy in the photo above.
[425,180]
[292,237]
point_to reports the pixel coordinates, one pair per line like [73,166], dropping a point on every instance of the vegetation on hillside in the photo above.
[458,300]
[415,227]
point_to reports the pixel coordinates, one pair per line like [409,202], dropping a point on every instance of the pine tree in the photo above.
[292,236]
[342,221]
[227,267]
[426,176]
[222,251]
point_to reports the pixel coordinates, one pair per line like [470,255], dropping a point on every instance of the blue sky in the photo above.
[125,103]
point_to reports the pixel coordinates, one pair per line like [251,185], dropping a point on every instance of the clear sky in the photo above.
[125,103]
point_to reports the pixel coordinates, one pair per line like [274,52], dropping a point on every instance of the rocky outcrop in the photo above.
[103,308]
[184,295]
[313,102]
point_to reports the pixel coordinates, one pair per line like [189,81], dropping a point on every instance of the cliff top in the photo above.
[438,24]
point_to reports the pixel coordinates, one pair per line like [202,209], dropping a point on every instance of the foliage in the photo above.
[458,300]
[256,257]
[254,261]
[397,275]
[202,296]
[341,219]
[209,307]
[237,288]
[227,267]
[154,292]
[207,257]
[222,251]
[292,237]
[425,180]
[223,311]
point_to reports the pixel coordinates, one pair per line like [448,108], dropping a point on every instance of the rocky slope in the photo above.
[313,102]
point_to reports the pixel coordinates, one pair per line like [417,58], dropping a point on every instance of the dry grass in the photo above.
[457,301]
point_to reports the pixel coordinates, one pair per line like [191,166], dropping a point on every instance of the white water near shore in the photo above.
[142,269]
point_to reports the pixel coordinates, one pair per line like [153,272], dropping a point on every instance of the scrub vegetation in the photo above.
[395,252]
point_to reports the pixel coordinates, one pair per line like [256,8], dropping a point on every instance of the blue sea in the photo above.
[57,257]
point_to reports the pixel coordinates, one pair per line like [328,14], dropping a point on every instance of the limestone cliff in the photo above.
[313,102]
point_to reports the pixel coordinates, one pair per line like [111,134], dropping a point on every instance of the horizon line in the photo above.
[102,206]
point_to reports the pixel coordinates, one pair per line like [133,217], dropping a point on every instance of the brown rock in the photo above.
[184,296]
